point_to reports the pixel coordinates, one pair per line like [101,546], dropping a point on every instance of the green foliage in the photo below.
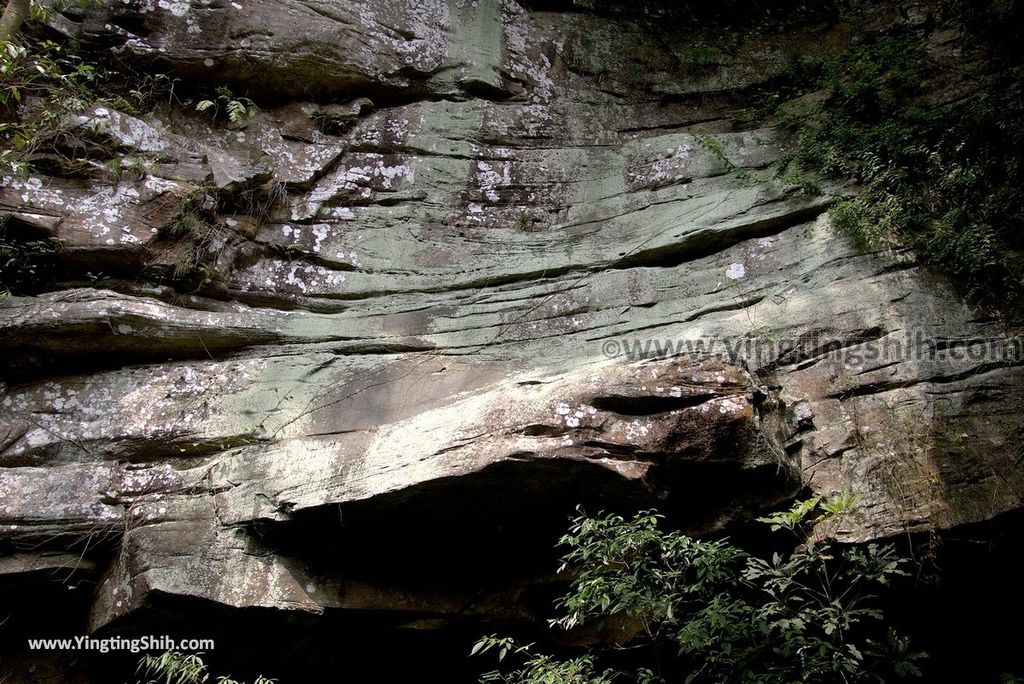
[286,251]
[260,201]
[223,104]
[44,84]
[23,262]
[148,90]
[41,13]
[131,166]
[800,514]
[538,667]
[195,268]
[709,611]
[194,213]
[939,175]
[51,72]
[174,667]
[188,222]
[790,519]
[701,56]
[715,148]
[840,505]
[198,238]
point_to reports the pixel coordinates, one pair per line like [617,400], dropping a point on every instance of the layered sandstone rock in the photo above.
[424,321]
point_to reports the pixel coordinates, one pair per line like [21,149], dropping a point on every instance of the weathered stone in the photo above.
[121,130]
[416,344]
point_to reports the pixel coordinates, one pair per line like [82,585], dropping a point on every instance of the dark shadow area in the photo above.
[465,532]
[968,595]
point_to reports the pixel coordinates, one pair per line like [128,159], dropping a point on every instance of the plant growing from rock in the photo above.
[175,667]
[225,105]
[708,611]
[259,201]
[193,234]
[58,84]
[23,262]
[936,173]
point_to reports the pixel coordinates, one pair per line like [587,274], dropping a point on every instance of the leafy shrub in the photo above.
[227,106]
[23,262]
[942,177]
[52,72]
[198,238]
[708,611]
[174,667]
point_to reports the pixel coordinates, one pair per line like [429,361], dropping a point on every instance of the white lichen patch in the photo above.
[724,405]
[109,215]
[636,429]
[564,414]
[489,179]
[670,167]
[524,63]
[359,183]
[293,162]
[177,8]
[160,403]
[736,271]
[295,278]
[124,130]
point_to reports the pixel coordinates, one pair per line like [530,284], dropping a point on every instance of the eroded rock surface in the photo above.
[417,314]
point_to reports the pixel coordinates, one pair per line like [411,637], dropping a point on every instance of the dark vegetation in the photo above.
[922,124]
[687,610]
[45,86]
[922,120]
[926,119]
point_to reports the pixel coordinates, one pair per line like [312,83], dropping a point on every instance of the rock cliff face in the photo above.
[353,362]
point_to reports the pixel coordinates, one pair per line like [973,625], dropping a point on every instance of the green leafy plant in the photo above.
[537,667]
[708,611]
[187,222]
[226,105]
[790,519]
[23,262]
[938,174]
[196,237]
[801,513]
[42,85]
[840,505]
[175,667]
[131,166]
[286,251]
[259,201]
[194,213]
[149,89]
[715,148]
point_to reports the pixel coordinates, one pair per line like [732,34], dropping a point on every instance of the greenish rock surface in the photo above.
[442,303]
